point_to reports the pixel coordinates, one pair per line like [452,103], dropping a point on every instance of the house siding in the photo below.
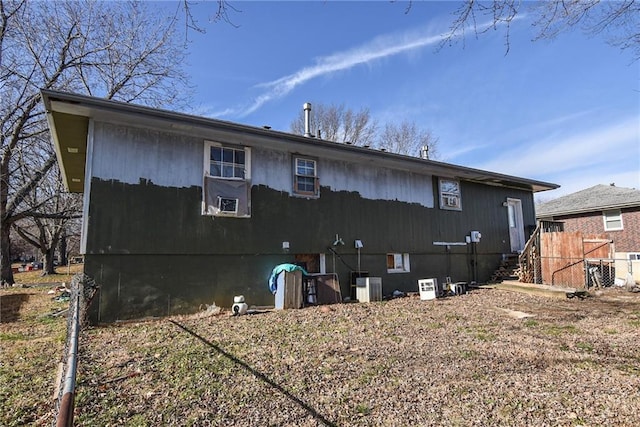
[625,240]
[132,155]
[153,253]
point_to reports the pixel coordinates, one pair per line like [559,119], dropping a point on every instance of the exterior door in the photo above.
[313,263]
[516,225]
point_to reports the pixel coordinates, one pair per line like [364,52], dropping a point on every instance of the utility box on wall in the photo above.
[369,289]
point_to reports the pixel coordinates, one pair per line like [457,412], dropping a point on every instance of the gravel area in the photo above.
[486,358]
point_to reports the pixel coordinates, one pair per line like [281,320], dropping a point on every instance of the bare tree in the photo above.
[69,244]
[117,50]
[406,138]
[51,213]
[617,21]
[339,124]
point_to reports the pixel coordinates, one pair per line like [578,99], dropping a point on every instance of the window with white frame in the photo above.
[398,263]
[305,177]
[227,173]
[227,162]
[450,196]
[612,220]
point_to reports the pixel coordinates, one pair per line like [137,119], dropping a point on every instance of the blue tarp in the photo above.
[273,284]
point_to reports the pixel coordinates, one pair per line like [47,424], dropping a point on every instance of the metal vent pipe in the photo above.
[424,152]
[307,119]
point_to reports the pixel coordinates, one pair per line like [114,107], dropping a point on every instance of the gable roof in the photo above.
[597,198]
[69,117]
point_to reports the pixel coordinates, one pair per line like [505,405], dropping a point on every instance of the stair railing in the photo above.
[529,259]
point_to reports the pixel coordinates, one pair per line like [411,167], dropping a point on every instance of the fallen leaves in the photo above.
[453,361]
[456,361]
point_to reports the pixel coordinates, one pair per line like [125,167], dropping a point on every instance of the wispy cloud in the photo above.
[612,144]
[451,153]
[379,48]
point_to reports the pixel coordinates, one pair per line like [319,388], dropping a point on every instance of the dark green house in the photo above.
[181,211]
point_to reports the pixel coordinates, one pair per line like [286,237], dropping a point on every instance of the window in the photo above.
[450,196]
[305,179]
[512,216]
[612,220]
[227,162]
[398,263]
[226,189]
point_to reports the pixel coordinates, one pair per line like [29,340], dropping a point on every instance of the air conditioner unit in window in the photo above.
[451,201]
[227,205]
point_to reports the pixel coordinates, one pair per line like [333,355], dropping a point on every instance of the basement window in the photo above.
[398,263]
[226,187]
[612,220]
[305,177]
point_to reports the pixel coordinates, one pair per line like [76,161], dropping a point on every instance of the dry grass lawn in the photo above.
[31,344]
[468,360]
[476,359]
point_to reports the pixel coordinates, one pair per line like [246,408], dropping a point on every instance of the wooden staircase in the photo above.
[525,267]
[509,269]
[529,259]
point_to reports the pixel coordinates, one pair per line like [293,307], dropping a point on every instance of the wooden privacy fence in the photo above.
[563,256]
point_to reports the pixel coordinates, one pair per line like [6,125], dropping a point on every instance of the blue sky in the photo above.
[565,111]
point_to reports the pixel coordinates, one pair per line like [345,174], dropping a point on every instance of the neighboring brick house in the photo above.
[604,210]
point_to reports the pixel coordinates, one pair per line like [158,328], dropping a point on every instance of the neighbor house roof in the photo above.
[596,198]
[69,116]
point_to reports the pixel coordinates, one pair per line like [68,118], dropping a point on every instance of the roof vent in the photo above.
[424,152]
[307,119]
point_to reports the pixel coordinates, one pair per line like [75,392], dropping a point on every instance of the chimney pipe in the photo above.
[424,152]
[307,119]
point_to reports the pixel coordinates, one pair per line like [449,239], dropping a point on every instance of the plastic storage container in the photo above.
[428,288]
[369,289]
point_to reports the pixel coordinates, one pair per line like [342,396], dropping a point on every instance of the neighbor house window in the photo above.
[450,196]
[398,263]
[305,177]
[227,172]
[612,220]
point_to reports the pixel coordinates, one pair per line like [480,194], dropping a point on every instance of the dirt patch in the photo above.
[10,305]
